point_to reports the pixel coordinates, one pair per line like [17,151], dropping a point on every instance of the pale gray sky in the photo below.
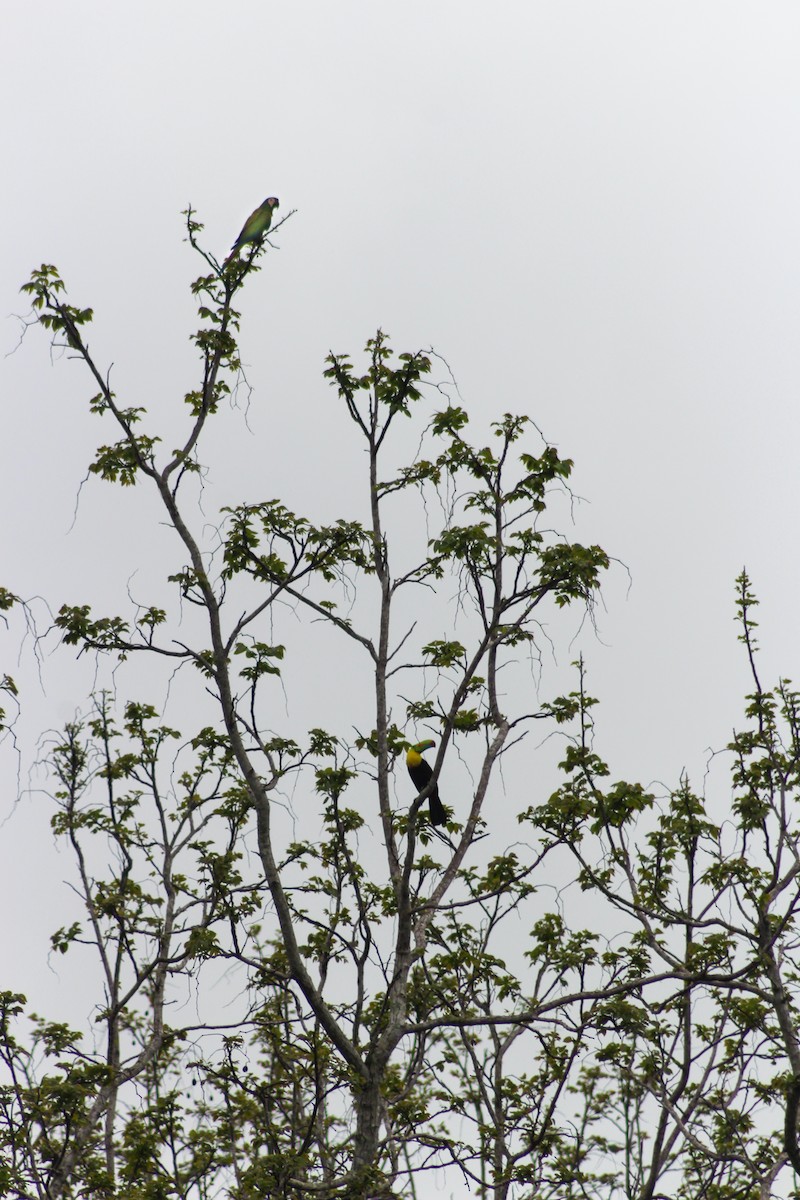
[590,209]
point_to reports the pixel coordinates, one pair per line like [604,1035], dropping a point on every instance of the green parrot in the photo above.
[420,772]
[255,226]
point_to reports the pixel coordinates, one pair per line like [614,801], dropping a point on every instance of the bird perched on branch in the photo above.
[255,227]
[421,772]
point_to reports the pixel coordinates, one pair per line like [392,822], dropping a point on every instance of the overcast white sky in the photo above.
[590,209]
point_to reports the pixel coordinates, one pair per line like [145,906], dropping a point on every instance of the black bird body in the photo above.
[421,773]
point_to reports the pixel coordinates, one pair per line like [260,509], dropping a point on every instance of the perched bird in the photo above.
[420,772]
[255,226]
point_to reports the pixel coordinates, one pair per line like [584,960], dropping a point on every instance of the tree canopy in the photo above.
[379,1006]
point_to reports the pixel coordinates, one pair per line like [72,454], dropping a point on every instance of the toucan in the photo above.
[255,226]
[421,772]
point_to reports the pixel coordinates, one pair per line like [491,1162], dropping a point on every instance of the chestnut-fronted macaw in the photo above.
[256,225]
[421,772]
